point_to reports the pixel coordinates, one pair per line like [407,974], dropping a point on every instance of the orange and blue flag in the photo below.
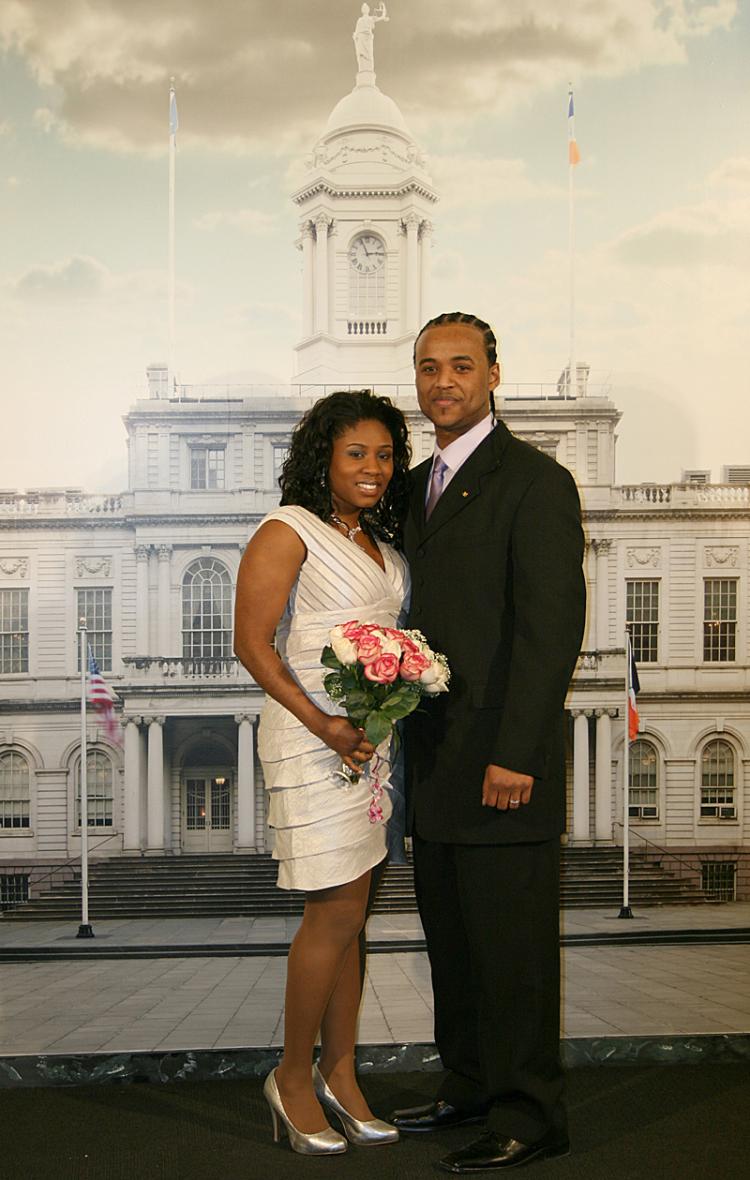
[574,156]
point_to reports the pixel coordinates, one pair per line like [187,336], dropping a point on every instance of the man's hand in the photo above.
[504,788]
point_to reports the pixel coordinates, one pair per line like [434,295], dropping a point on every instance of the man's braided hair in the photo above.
[472,321]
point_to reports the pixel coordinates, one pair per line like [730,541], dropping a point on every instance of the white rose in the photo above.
[391,647]
[435,679]
[344,650]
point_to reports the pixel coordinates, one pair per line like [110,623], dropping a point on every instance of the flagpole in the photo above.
[85,929]
[572,370]
[625,910]
[171,281]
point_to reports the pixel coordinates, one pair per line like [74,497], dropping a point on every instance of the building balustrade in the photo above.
[683,495]
[56,502]
[174,668]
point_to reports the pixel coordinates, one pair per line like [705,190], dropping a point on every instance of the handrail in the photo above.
[55,869]
[701,857]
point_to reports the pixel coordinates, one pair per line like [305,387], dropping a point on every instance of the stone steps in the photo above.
[223,885]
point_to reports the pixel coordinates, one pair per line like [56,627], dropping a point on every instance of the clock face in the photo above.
[366,253]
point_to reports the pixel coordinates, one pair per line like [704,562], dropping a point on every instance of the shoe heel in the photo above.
[276,1128]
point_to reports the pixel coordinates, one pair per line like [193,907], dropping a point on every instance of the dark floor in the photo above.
[658,1121]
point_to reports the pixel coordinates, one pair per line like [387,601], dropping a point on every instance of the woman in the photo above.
[327,555]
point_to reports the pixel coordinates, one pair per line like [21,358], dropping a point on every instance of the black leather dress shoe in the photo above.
[493,1152]
[434,1116]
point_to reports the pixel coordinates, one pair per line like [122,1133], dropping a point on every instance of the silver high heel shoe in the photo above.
[362,1134]
[327,1142]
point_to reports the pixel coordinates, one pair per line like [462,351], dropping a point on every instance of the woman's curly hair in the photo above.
[304,475]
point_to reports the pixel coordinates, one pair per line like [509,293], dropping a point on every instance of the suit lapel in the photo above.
[466,484]
[420,475]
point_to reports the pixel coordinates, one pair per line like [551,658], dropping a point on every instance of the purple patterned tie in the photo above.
[436,486]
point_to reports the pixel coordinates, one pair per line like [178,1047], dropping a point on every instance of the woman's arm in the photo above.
[268,571]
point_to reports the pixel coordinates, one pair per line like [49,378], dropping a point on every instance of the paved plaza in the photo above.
[236,1000]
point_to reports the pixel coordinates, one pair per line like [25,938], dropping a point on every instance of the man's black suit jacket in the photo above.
[497,585]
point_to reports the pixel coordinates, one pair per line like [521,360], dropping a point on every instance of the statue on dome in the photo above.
[364,38]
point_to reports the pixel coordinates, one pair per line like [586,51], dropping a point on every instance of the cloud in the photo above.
[252,221]
[75,279]
[733,173]
[472,181]
[255,74]
[711,233]
[71,281]
[13,181]
[6,128]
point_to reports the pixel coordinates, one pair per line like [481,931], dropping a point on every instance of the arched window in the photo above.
[643,780]
[206,610]
[14,790]
[717,781]
[99,790]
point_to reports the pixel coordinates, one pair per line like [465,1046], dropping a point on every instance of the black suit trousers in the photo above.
[491,919]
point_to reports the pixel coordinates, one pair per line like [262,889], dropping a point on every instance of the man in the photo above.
[495,546]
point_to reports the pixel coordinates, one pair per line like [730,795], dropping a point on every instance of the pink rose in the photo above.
[382,670]
[368,649]
[353,630]
[413,665]
[408,644]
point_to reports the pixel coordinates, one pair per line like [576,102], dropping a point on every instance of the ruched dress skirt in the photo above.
[324,835]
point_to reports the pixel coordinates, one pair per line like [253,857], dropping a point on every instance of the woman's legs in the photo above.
[338,1030]
[319,956]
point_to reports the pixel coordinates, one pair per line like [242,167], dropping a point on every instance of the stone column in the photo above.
[307,279]
[245,784]
[603,784]
[155,789]
[141,600]
[165,562]
[425,238]
[411,228]
[322,227]
[589,565]
[581,789]
[602,593]
[131,839]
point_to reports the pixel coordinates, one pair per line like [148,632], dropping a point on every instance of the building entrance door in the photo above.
[206,811]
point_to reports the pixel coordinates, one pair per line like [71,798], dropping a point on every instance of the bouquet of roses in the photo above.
[379,674]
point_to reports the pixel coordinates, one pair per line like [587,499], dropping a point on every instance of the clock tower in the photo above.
[365,237]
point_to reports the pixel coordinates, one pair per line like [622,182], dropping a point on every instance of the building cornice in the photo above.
[363,192]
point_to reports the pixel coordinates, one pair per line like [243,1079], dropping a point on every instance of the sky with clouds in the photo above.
[663,203]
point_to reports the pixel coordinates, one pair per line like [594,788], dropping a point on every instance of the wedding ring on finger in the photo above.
[515,802]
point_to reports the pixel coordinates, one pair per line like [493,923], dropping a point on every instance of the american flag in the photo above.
[102,698]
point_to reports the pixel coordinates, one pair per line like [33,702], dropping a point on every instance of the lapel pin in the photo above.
[464,493]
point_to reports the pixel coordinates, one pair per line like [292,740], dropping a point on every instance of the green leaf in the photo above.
[329,659]
[377,727]
[332,683]
[401,706]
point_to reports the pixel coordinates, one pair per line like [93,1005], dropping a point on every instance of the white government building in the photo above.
[153,569]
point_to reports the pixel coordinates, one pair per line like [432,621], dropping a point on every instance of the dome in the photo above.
[366,106]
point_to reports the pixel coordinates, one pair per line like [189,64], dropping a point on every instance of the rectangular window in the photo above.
[719,620]
[642,617]
[14,889]
[95,606]
[206,468]
[14,631]
[719,880]
[280,452]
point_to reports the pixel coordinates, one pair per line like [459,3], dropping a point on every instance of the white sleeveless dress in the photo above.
[324,835]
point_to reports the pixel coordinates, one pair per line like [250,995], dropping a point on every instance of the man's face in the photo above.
[454,379]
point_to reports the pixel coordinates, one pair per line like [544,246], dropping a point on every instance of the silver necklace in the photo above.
[351,533]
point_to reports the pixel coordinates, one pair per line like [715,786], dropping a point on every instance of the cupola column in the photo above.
[322,227]
[307,279]
[411,228]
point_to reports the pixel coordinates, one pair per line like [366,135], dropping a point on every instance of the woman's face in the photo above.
[361,466]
